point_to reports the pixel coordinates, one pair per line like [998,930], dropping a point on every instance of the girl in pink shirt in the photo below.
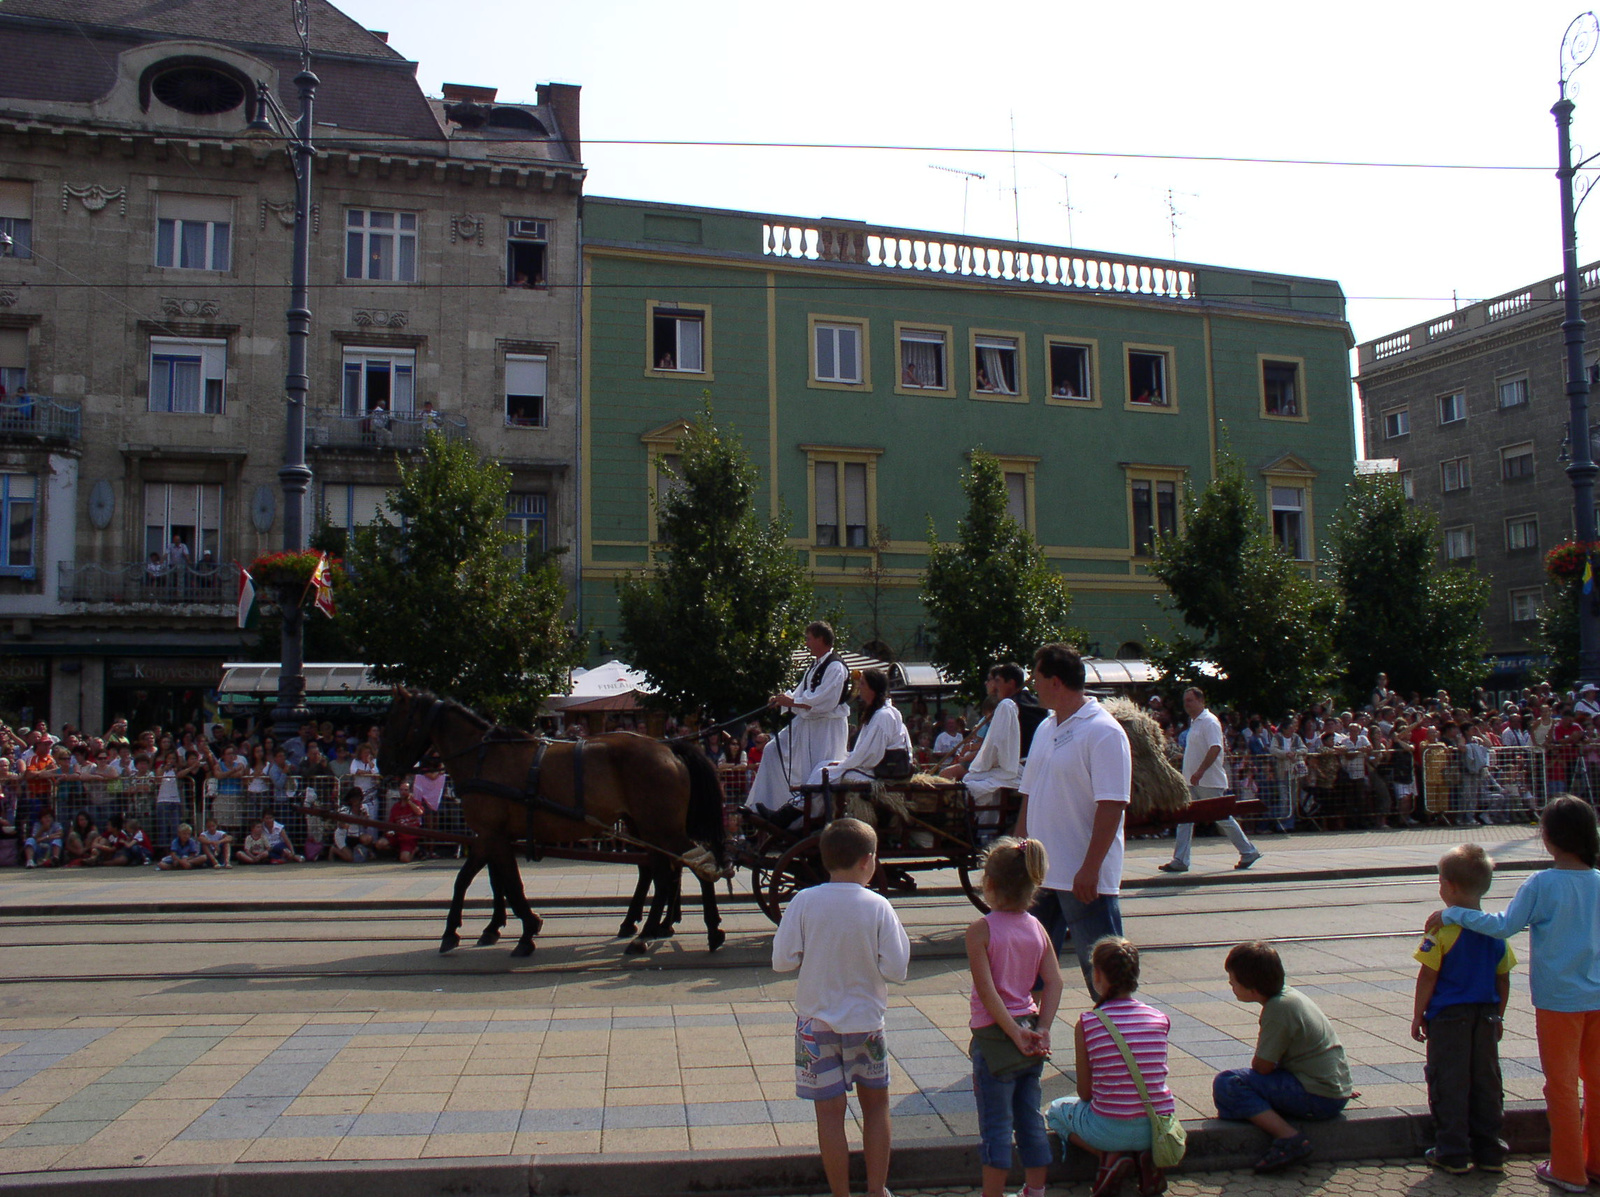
[1007,950]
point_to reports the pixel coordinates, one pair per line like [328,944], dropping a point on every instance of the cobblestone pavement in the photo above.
[1415,1179]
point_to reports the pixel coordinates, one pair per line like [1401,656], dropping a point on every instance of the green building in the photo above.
[861,365]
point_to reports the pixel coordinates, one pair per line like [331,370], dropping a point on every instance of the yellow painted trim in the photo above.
[623,544]
[1299,364]
[1028,467]
[949,391]
[1211,398]
[972,366]
[840,456]
[586,482]
[1096,395]
[774,507]
[1177,475]
[863,328]
[1302,481]
[1170,407]
[650,371]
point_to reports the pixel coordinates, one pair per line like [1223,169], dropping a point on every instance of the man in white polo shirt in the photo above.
[1074,792]
[1207,778]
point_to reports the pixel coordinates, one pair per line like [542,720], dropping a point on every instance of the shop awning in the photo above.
[343,683]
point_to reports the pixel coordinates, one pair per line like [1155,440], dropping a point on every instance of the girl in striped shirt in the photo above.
[1107,1117]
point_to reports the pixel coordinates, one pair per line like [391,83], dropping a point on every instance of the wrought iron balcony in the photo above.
[399,432]
[40,418]
[143,582]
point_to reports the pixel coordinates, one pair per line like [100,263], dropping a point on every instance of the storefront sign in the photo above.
[1517,663]
[23,669]
[200,672]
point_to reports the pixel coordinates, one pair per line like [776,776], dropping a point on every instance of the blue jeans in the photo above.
[1242,1093]
[1060,913]
[1006,1108]
[168,816]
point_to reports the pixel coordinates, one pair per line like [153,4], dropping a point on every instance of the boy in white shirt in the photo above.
[847,943]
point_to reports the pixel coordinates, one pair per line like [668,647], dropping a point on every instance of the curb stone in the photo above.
[1380,1133]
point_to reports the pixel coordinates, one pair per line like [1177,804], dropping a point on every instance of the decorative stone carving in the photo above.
[284,211]
[380,318]
[191,309]
[467,227]
[8,297]
[94,197]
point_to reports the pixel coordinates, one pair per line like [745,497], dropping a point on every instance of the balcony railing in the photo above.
[38,417]
[394,431]
[129,582]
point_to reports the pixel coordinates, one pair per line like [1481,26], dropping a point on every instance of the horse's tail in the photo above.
[703,822]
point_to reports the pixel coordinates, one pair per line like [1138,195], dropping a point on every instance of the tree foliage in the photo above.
[990,596]
[1250,609]
[714,625]
[1402,613]
[444,596]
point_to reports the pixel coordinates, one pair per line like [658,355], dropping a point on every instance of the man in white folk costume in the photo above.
[819,732]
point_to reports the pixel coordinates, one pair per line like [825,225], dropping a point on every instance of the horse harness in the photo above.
[530,795]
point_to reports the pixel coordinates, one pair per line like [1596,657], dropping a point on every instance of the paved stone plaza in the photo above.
[249,1050]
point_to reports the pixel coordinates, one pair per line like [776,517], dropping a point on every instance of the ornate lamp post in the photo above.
[295,475]
[1577,46]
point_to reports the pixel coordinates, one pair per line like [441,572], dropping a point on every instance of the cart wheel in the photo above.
[797,869]
[974,892]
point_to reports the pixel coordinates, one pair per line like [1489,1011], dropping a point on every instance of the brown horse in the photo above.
[668,795]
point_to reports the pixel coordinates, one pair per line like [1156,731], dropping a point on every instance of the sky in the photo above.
[1397,82]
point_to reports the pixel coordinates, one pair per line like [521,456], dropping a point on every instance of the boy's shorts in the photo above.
[828,1063]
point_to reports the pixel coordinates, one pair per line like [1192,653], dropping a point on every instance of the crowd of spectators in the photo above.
[73,800]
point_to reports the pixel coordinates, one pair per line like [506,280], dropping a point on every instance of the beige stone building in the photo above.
[142,328]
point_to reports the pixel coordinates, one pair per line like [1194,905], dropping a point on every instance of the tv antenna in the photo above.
[966,185]
[1173,212]
[1066,203]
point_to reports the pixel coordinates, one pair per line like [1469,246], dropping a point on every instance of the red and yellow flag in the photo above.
[322,582]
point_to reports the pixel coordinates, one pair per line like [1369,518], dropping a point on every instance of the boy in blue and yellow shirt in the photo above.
[1462,989]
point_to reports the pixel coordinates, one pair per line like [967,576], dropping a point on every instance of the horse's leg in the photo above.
[661,872]
[470,868]
[497,920]
[511,878]
[630,920]
[715,935]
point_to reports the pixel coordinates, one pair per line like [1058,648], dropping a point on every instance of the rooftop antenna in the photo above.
[1066,183]
[966,185]
[1016,204]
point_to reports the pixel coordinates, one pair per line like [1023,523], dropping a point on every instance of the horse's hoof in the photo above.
[636,948]
[488,939]
[524,948]
[716,937]
[449,943]
[627,930]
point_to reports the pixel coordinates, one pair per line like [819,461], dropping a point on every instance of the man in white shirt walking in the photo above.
[998,763]
[1207,778]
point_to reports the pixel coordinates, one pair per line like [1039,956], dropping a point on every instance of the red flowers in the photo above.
[1566,561]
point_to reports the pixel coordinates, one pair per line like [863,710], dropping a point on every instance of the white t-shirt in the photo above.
[1205,733]
[1355,764]
[848,944]
[1073,767]
[944,742]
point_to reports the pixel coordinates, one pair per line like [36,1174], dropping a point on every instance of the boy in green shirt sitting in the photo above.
[1299,1068]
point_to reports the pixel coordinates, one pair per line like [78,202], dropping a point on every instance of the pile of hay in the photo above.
[1156,784]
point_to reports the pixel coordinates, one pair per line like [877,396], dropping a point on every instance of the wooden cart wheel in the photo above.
[797,869]
[974,892]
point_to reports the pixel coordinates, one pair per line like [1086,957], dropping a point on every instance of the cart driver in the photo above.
[998,763]
[819,732]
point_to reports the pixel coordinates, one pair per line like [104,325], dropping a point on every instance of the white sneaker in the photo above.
[33,864]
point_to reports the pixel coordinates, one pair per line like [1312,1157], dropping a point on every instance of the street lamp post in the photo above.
[294,476]
[1577,45]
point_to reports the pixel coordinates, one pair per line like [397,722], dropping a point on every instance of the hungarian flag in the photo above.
[322,582]
[247,599]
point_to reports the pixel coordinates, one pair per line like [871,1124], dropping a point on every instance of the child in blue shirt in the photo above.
[1462,989]
[1559,905]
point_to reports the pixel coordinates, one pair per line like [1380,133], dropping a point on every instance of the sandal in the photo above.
[1284,1152]
[1115,1167]
[1152,1180]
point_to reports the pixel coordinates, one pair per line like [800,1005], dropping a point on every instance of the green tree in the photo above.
[713,626]
[1401,613]
[1250,609]
[445,597]
[990,596]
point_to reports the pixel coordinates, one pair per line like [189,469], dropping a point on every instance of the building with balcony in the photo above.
[861,365]
[1473,407]
[142,332]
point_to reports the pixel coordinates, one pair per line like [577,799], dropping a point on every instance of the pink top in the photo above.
[429,789]
[1145,1028]
[1017,944]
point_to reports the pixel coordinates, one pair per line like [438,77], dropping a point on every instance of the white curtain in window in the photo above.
[1017,498]
[922,363]
[689,341]
[993,363]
